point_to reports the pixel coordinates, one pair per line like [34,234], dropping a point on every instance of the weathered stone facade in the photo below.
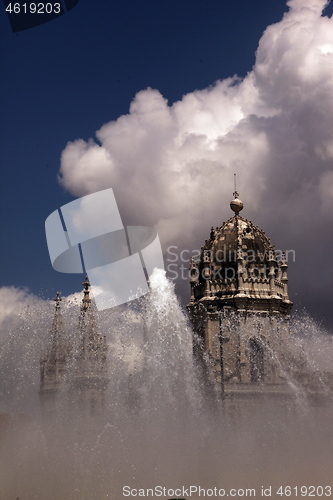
[240,307]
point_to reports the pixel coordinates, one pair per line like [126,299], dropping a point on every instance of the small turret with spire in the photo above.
[53,364]
[89,365]
[86,301]
[90,340]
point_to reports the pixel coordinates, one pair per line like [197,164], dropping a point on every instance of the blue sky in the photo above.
[63,80]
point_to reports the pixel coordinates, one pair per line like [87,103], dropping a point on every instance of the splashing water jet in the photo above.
[157,427]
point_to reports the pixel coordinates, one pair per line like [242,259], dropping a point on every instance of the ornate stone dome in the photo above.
[238,237]
[239,261]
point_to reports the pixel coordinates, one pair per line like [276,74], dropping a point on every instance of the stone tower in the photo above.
[240,307]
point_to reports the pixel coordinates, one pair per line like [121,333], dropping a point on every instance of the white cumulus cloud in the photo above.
[172,165]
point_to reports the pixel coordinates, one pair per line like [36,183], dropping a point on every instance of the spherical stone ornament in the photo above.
[236,205]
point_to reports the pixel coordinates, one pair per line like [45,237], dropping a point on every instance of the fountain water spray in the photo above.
[157,427]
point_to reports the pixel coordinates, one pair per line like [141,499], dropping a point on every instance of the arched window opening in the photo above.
[256,360]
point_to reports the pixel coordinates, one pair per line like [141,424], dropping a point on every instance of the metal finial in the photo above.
[236,205]
[86,301]
[235,193]
[57,299]
[86,283]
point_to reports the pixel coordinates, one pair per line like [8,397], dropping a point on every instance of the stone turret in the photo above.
[240,306]
[53,365]
[89,375]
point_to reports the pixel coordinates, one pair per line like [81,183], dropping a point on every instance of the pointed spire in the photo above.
[89,338]
[57,300]
[86,301]
[57,347]
[235,193]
